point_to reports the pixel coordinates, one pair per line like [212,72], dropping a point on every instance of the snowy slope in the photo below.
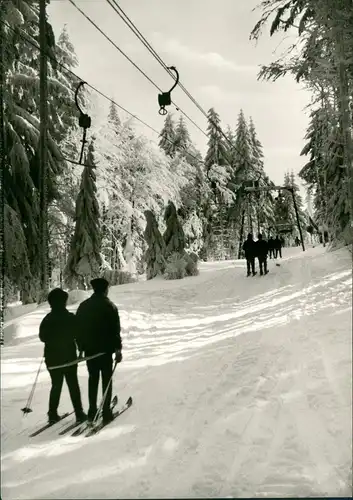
[242,387]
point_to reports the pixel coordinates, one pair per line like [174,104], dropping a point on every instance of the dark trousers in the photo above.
[57,378]
[278,251]
[103,365]
[263,265]
[271,253]
[250,264]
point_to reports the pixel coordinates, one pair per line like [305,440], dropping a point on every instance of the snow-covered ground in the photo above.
[242,387]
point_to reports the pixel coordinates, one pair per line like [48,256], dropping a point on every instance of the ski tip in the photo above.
[129,401]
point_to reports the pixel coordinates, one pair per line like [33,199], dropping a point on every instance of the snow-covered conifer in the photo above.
[85,260]
[155,253]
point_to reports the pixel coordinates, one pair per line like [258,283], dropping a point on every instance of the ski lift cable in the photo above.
[218,128]
[25,38]
[149,47]
[125,18]
[133,63]
[29,41]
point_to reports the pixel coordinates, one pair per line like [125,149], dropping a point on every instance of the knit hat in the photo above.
[99,285]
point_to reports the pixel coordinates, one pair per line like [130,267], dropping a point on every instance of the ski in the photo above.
[70,428]
[85,425]
[80,429]
[94,429]
[47,426]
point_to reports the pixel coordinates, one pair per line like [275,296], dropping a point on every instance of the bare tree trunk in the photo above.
[258,219]
[250,221]
[112,252]
[241,235]
[43,147]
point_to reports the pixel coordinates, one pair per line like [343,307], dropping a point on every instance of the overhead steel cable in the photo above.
[65,68]
[115,45]
[134,64]
[125,18]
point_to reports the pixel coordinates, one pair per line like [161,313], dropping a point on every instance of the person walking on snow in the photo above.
[261,252]
[278,247]
[249,250]
[271,248]
[58,332]
[99,327]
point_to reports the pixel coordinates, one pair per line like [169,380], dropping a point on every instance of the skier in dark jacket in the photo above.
[261,252]
[58,332]
[250,253]
[278,247]
[271,247]
[99,326]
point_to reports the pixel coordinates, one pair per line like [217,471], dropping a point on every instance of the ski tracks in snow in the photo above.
[267,413]
[274,440]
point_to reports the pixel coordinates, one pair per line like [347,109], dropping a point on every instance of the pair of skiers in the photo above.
[95,329]
[275,247]
[253,249]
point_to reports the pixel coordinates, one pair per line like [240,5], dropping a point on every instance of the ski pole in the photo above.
[27,408]
[104,396]
[78,360]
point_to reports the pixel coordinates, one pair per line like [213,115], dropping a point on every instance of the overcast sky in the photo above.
[217,62]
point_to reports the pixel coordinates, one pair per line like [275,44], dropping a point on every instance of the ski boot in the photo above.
[81,417]
[108,417]
[90,417]
[53,418]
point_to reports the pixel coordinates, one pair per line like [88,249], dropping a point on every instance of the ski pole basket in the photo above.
[27,409]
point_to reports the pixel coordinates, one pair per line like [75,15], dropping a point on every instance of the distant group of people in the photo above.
[261,249]
[275,246]
[95,331]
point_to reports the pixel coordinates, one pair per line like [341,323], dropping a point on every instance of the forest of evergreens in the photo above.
[139,207]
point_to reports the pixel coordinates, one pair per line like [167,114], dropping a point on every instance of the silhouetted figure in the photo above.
[271,247]
[58,332]
[250,253]
[278,247]
[99,324]
[282,241]
[261,252]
